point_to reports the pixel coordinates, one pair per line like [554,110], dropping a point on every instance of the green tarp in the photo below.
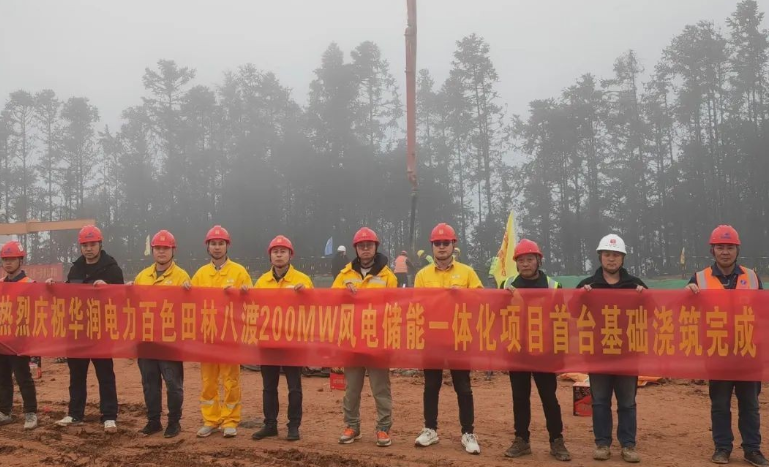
[569,282]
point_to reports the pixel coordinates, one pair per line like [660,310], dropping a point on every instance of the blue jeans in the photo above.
[624,387]
[749,420]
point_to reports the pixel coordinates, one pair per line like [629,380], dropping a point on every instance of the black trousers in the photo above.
[461,380]
[520,381]
[270,379]
[403,279]
[78,388]
[18,366]
[154,372]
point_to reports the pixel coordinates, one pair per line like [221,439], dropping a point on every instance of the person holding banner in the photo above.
[95,267]
[223,273]
[612,275]
[281,275]
[528,260]
[12,255]
[368,270]
[164,272]
[726,274]
[447,273]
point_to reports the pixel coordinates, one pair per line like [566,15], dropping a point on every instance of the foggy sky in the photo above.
[99,49]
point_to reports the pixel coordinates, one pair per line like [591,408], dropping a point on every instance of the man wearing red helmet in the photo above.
[726,274]
[281,275]
[164,272]
[446,272]
[12,254]
[223,273]
[368,270]
[528,260]
[95,267]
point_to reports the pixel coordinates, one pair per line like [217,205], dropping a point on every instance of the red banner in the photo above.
[712,335]
[41,272]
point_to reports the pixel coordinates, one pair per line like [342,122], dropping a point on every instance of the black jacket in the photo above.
[106,269]
[626,281]
[380,261]
[538,283]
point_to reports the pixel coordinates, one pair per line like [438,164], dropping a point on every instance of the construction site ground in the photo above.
[673,427]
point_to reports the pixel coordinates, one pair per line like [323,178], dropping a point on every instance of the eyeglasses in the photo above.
[440,243]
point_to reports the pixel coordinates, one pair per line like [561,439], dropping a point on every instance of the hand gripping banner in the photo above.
[711,335]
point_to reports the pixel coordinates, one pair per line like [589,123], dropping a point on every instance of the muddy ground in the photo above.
[673,428]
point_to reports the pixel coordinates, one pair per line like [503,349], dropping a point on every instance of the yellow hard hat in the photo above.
[420,253]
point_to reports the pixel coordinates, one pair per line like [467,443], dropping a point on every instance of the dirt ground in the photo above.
[673,428]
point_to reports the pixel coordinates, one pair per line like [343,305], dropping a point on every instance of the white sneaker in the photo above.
[427,437]
[5,419]
[110,426]
[230,432]
[206,431]
[470,443]
[69,421]
[30,421]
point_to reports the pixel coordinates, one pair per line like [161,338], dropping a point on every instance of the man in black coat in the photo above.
[95,267]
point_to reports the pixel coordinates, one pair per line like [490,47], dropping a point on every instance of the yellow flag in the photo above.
[504,266]
[147,250]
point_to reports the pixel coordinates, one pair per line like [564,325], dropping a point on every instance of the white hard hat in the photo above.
[342,248]
[612,242]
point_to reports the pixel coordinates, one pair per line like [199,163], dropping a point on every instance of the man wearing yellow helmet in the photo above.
[424,260]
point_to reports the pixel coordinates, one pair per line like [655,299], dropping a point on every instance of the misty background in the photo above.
[647,119]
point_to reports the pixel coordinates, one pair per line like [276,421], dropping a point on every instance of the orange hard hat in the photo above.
[281,241]
[724,235]
[163,238]
[89,233]
[218,232]
[443,231]
[12,249]
[365,235]
[526,247]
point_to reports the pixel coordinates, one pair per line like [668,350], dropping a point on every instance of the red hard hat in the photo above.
[724,235]
[526,247]
[443,232]
[163,238]
[218,232]
[89,233]
[365,235]
[281,241]
[12,249]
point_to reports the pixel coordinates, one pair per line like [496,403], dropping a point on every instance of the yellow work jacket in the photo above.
[292,278]
[456,275]
[231,274]
[383,279]
[174,275]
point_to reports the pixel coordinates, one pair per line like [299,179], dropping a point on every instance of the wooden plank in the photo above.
[21,228]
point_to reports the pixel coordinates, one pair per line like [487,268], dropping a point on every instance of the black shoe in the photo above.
[756,458]
[721,456]
[173,430]
[151,428]
[266,432]
[293,433]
